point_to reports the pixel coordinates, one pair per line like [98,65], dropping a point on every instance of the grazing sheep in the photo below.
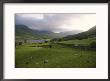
[75,54]
[31,57]
[45,61]
[76,45]
[37,63]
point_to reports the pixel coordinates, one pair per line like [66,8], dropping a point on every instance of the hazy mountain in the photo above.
[87,34]
[24,32]
[63,34]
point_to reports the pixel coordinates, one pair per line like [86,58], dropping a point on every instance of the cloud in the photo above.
[56,22]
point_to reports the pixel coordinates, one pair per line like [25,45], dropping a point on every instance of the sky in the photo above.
[57,22]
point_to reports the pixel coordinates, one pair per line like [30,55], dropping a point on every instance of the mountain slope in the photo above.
[23,32]
[63,34]
[87,34]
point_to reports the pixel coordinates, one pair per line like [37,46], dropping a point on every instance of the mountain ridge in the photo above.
[24,32]
[86,34]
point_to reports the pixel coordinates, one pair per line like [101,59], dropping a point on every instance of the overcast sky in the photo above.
[57,22]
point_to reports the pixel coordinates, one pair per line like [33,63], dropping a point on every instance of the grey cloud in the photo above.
[50,22]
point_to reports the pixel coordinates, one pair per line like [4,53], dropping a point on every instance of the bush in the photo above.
[20,43]
[93,44]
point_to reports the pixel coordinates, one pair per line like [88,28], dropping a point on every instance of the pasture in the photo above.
[58,56]
[82,41]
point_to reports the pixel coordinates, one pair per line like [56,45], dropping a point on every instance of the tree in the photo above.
[46,41]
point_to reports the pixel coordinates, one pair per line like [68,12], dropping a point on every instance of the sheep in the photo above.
[46,61]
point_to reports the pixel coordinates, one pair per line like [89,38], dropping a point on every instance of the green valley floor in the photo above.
[27,56]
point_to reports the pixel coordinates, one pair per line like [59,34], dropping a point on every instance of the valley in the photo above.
[46,49]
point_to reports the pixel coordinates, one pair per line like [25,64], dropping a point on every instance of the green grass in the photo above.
[83,41]
[57,56]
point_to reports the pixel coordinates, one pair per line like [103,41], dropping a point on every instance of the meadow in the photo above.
[57,56]
[82,41]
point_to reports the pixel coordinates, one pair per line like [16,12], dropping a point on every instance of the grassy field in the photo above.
[83,41]
[31,56]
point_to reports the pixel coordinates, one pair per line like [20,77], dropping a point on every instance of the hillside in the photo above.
[63,34]
[83,35]
[24,32]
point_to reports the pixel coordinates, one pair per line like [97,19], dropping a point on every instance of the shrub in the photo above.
[20,43]
[93,44]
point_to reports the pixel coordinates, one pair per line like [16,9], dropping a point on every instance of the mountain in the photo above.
[24,32]
[48,33]
[83,35]
[63,34]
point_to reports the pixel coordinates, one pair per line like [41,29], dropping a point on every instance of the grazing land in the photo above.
[58,56]
[83,41]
